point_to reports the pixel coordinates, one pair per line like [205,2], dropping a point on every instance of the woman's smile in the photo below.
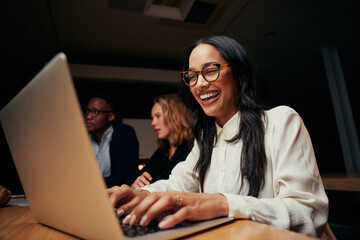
[217,98]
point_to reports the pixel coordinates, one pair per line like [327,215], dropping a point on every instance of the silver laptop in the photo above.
[50,145]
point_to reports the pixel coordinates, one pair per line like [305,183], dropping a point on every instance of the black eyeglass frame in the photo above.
[218,65]
[95,112]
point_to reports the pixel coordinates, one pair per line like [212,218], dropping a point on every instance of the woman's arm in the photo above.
[293,196]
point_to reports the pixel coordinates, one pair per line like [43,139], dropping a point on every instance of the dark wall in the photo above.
[305,88]
[133,100]
[350,63]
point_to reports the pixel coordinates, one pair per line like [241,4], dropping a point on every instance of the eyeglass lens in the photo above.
[210,73]
[94,112]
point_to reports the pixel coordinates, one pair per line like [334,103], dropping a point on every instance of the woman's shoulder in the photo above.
[185,145]
[280,111]
[184,148]
[280,114]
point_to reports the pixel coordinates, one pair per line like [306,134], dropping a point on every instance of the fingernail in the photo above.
[143,221]
[120,212]
[163,224]
[126,219]
[132,220]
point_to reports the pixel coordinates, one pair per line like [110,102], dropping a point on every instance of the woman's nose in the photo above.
[201,82]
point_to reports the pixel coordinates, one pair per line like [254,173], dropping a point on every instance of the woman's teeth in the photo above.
[208,95]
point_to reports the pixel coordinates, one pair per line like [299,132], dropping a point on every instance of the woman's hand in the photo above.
[125,198]
[179,206]
[141,181]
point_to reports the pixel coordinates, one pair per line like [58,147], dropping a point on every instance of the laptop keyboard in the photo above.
[134,231]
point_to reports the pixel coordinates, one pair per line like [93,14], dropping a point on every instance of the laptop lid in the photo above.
[49,142]
[51,149]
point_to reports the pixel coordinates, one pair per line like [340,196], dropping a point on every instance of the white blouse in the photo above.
[293,196]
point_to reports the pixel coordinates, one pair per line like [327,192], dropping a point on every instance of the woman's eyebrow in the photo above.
[204,65]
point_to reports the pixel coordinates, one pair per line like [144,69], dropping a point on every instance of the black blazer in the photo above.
[124,155]
[159,165]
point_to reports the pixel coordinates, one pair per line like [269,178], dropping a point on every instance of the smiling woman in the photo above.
[246,162]
[218,100]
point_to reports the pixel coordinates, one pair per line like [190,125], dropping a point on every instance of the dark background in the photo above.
[284,39]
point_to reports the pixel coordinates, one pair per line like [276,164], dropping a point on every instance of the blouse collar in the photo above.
[230,128]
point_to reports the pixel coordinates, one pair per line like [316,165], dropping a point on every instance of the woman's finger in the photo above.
[135,185]
[143,181]
[137,197]
[120,195]
[135,216]
[166,205]
[155,207]
[147,176]
[140,183]
[111,190]
[174,219]
[128,207]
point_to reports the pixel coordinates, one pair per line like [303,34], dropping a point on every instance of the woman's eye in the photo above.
[211,70]
[191,75]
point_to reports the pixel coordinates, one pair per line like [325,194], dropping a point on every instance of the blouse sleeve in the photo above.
[182,177]
[299,201]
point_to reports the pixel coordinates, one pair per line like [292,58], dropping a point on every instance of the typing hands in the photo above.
[141,207]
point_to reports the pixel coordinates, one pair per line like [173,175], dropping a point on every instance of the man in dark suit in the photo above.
[115,144]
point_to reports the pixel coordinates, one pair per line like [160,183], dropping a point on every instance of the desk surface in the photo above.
[341,182]
[16,222]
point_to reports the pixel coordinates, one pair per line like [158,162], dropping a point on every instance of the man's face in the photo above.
[100,121]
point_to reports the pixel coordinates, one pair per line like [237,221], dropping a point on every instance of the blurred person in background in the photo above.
[172,123]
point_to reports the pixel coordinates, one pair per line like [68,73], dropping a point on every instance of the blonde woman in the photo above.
[172,124]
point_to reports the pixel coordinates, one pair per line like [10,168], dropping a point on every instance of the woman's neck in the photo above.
[224,119]
[172,150]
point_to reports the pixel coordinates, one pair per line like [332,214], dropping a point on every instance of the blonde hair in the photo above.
[177,117]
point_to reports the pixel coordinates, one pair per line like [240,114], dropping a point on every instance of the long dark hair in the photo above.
[251,128]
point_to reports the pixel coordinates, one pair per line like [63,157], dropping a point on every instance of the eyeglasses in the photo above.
[210,73]
[95,112]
